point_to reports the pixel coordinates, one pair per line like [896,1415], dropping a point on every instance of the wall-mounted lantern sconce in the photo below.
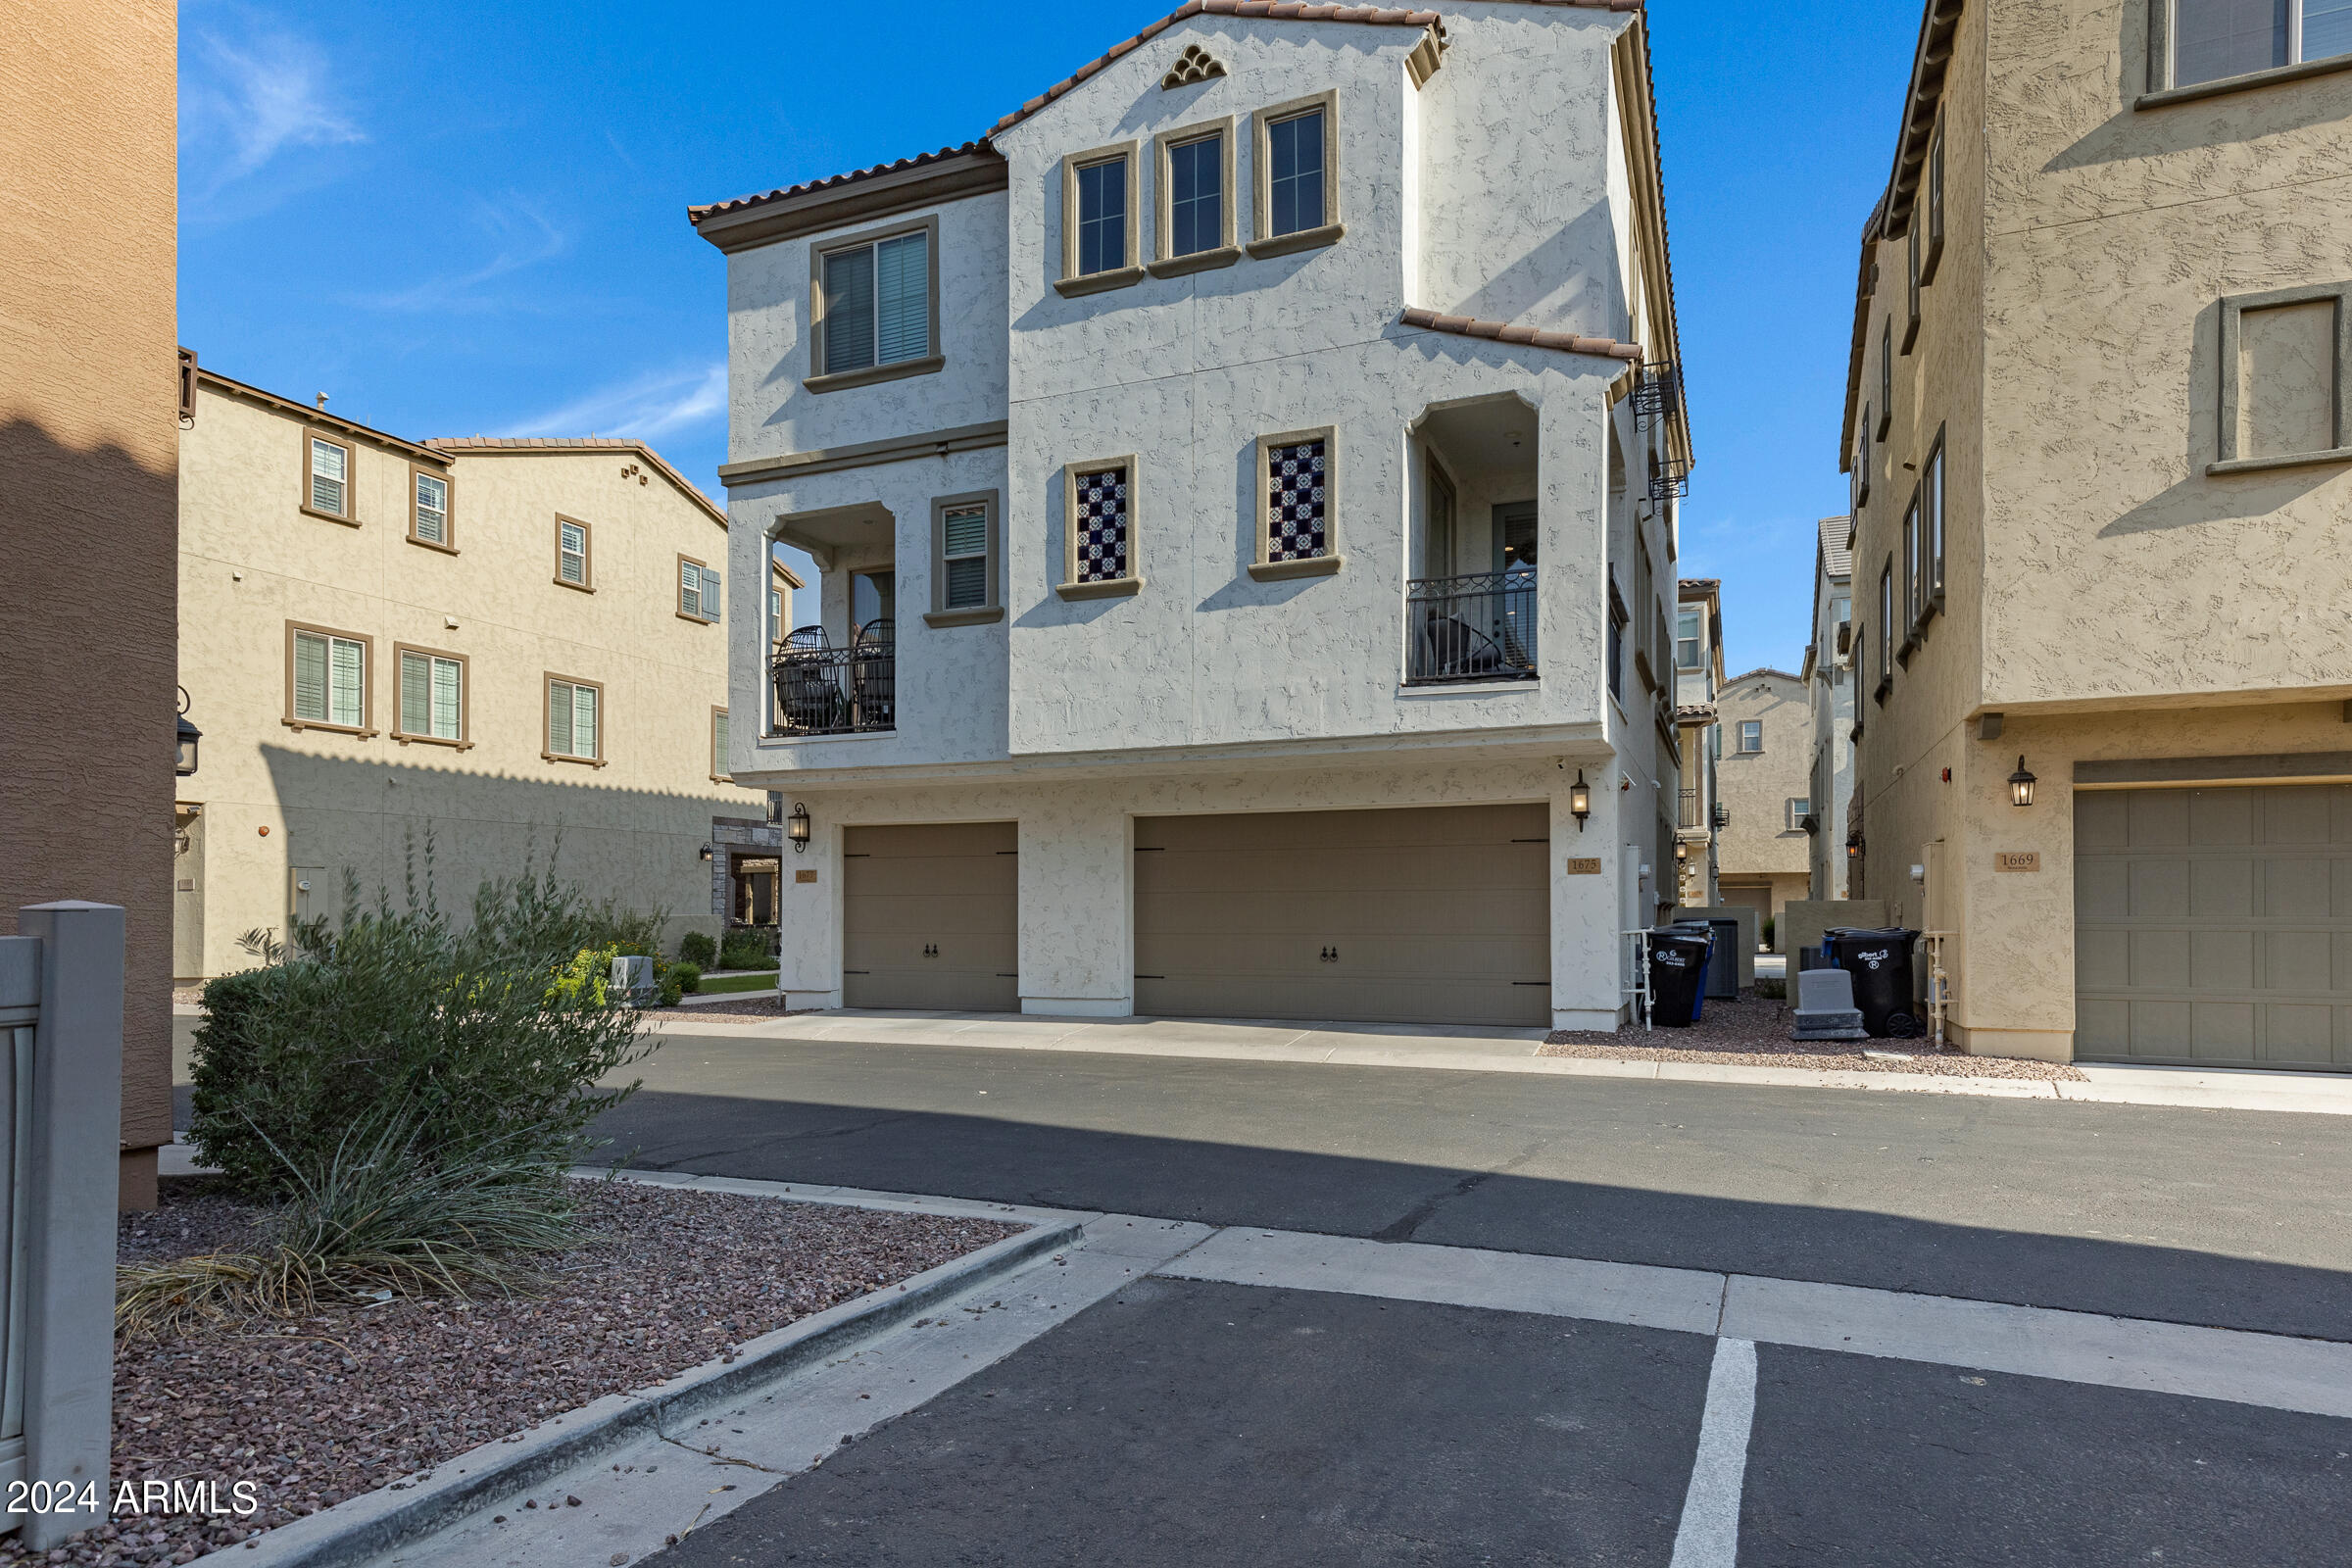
[705,853]
[795,827]
[2021,785]
[1682,852]
[184,763]
[1579,800]
[1723,815]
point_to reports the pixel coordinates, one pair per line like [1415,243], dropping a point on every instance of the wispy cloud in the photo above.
[647,406]
[249,91]
[520,234]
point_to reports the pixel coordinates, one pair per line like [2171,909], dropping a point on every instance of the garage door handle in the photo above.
[1331,954]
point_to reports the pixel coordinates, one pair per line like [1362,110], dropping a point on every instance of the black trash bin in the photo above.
[1677,968]
[1723,970]
[1880,960]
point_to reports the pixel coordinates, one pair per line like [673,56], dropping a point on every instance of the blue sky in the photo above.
[469,219]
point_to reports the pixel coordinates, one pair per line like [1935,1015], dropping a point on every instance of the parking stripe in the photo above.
[1709,1535]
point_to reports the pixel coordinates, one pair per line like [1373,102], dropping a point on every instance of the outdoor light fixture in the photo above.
[797,828]
[706,852]
[2021,785]
[1579,800]
[1682,852]
[185,763]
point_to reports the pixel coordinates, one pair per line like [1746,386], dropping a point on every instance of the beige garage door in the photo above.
[1440,915]
[2213,927]
[929,917]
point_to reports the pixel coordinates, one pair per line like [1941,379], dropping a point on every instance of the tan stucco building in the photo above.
[501,643]
[2096,427]
[88,426]
[1764,782]
[1697,684]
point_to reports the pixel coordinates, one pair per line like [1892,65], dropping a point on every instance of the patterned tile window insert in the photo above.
[1298,526]
[1103,525]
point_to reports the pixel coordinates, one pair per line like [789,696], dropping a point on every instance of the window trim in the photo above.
[2161,93]
[1913,246]
[1699,640]
[366,729]
[1226,251]
[2233,307]
[464,740]
[1885,629]
[1885,376]
[1263,241]
[1935,509]
[677,573]
[1910,560]
[939,614]
[1115,587]
[447,543]
[348,517]
[1862,462]
[1739,745]
[1073,283]
[1265,569]
[718,760]
[1931,185]
[587,584]
[1795,817]
[547,739]
[817,378]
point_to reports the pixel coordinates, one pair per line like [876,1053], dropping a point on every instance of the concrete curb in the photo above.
[366,1527]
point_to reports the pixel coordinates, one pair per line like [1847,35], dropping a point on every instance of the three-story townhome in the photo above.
[1242,486]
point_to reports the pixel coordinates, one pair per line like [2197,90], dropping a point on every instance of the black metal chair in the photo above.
[1457,651]
[808,696]
[873,675]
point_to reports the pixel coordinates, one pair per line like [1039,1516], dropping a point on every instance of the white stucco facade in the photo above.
[1508,177]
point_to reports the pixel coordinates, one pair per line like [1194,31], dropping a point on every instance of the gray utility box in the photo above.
[632,980]
[1825,1007]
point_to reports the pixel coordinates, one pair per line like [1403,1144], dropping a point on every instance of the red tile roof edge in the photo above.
[458,445]
[696,215]
[1505,332]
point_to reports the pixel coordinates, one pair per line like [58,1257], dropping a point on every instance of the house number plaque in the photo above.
[804,876]
[1583,867]
[2017,860]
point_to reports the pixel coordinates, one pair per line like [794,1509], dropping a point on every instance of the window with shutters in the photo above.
[1101,228]
[2287,378]
[1298,505]
[874,306]
[327,478]
[432,696]
[428,509]
[1297,152]
[326,679]
[698,591]
[574,721]
[1098,538]
[1195,177]
[965,559]
[718,747]
[574,564]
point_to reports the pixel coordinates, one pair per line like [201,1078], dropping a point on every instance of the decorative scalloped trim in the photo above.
[1196,64]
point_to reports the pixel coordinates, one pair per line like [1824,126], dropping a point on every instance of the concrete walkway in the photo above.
[1472,1049]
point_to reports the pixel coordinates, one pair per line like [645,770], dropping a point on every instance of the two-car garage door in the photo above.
[2213,927]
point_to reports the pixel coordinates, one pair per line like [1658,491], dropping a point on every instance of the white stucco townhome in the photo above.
[1242,486]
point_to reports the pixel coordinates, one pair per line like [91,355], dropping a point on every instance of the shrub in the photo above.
[696,947]
[689,976]
[1766,934]
[745,948]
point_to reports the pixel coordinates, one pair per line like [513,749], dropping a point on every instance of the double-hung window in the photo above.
[1932,530]
[432,696]
[1885,377]
[428,509]
[1799,808]
[1751,736]
[326,678]
[1099,501]
[1886,627]
[964,551]
[1298,173]
[1913,241]
[1913,578]
[571,553]
[574,721]
[1195,198]
[1103,217]
[1862,461]
[876,307]
[1100,222]
[719,746]
[1689,645]
[2214,40]
[698,589]
[1932,185]
[328,477]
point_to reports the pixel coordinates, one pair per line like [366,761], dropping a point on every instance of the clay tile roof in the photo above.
[1698,586]
[757,197]
[458,445]
[1760,670]
[1694,714]
[1503,331]
[1835,559]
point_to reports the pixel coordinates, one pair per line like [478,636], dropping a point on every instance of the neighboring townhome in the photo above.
[1244,486]
[1698,684]
[483,644]
[2096,423]
[1829,676]
[1764,782]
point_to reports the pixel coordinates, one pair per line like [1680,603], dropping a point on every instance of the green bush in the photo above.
[696,947]
[745,948]
[1766,934]
[689,976]
[493,1036]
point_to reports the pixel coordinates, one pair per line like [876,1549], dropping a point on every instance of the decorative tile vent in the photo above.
[1196,64]
[1101,525]
[1297,491]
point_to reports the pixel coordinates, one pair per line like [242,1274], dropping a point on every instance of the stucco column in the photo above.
[1588,895]
[808,911]
[1077,907]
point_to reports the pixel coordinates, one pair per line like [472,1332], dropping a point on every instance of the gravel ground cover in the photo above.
[1753,1032]
[319,1410]
[753,1008]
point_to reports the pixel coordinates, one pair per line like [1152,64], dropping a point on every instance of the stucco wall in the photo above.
[1757,786]
[276,798]
[87,438]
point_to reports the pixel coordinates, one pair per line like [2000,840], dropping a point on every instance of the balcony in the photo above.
[1479,627]
[823,690]
[1690,815]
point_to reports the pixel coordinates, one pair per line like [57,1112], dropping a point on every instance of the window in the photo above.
[775,613]
[1298,505]
[718,747]
[432,696]
[1099,503]
[327,489]
[1616,645]
[1799,808]
[326,679]
[1885,377]
[1933,184]
[1886,627]
[572,555]
[2214,40]
[1298,150]
[1195,205]
[574,721]
[1912,584]
[1689,647]
[1932,522]
[876,306]
[1862,461]
[1099,221]
[964,551]
[1911,247]
[698,589]
[1751,736]
[428,509]
[2286,370]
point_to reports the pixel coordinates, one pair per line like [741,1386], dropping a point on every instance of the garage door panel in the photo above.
[929,917]
[1410,958]
[2220,889]
[2102,821]
[960,914]
[2296,889]
[2297,815]
[2102,1027]
[2102,959]
[2159,889]
[1405,828]
[1387,1000]
[2220,960]
[2223,1030]
[2159,958]
[2158,818]
[2297,1035]
[986,876]
[1369,869]
[2220,817]
[2161,1028]
[2102,887]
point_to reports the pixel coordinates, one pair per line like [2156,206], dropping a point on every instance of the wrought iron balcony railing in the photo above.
[1481,628]
[1690,815]
[837,691]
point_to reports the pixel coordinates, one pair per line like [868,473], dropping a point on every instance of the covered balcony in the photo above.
[838,675]
[1470,609]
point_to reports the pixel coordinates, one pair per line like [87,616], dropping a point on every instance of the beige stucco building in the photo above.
[1829,675]
[2096,426]
[1697,687]
[1764,782]
[508,645]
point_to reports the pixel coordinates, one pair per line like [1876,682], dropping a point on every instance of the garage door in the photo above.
[1440,915]
[928,916]
[2213,927]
